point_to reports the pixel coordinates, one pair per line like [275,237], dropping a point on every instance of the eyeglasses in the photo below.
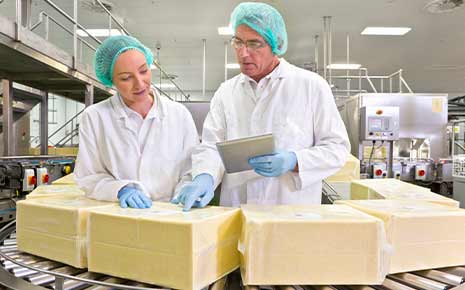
[252,45]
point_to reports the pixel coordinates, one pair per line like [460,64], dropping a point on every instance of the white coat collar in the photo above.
[122,110]
[279,72]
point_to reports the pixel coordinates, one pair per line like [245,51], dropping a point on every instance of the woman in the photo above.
[134,147]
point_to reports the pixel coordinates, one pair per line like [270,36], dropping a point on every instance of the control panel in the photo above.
[379,123]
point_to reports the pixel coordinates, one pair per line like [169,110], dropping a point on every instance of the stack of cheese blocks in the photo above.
[55,227]
[308,245]
[356,242]
[394,189]
[162,245]
[423,235]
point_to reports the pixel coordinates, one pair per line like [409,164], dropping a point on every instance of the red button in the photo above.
[32,180]
[378,172]
[45,178]
[421,172]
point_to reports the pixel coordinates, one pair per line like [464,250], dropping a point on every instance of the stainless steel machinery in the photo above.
[421,153]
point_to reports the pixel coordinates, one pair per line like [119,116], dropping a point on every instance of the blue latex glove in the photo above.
[273,165]
[130,196]
[198,193]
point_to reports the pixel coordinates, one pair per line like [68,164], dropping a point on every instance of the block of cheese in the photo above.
[164,245]
[55,227]
[423,235]
[390,188]
[67,179]
[350,170]
[315,244]
[55,190]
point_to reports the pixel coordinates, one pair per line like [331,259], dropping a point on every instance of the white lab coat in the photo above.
[298,107]
[112,156]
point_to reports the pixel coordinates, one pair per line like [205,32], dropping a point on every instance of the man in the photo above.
[270,95]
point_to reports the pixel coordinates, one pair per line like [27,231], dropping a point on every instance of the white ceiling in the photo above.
[432,54]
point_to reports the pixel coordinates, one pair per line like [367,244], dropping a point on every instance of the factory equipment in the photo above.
[380,123]
[19,175]
[421,146]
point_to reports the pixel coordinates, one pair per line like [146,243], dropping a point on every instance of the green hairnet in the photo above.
[107,54]
[265,20]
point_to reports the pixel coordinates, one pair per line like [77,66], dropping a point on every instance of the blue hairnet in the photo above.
[265,20]
[108,52]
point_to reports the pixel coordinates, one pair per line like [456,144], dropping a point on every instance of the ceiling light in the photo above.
[225,30]
[346,66]
[385,30]
[165,86]
[98,32]
[232,66]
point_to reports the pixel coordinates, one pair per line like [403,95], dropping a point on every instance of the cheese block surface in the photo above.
[423,235]
[350,170]
[55,227]
[67,179]
[395,189]
[310,245]
[55,190]
[164,245]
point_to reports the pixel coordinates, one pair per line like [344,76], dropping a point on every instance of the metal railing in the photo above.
[46,18]
[363,75]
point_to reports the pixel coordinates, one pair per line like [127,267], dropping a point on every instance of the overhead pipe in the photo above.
[316,56]
[204,66]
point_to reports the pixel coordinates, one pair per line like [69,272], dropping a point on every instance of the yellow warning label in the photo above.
[437,105]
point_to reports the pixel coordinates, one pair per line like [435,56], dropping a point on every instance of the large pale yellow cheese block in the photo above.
[164,245]
[423,235]
[395,189]
[55,190]
[67,179]
[319,244]
[55,227]
[350,170]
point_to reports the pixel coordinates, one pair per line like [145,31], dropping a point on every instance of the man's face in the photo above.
[256,60]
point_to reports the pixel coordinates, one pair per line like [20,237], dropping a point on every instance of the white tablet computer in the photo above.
[236,153]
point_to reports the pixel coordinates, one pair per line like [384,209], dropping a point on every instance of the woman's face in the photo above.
[132,76]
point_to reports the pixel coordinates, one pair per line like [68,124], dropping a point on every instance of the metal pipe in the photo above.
[400,81]
[316,43]
[382,85]
[8,141]
[18,20]
[89,95]
[225,60]
[390,159]
[370,82]
[75,15]
[348,56]
[390,85]
[360,80]
[325,36]
[406,85]
[43,133]
[330,48]
[47,27]
[204,66]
